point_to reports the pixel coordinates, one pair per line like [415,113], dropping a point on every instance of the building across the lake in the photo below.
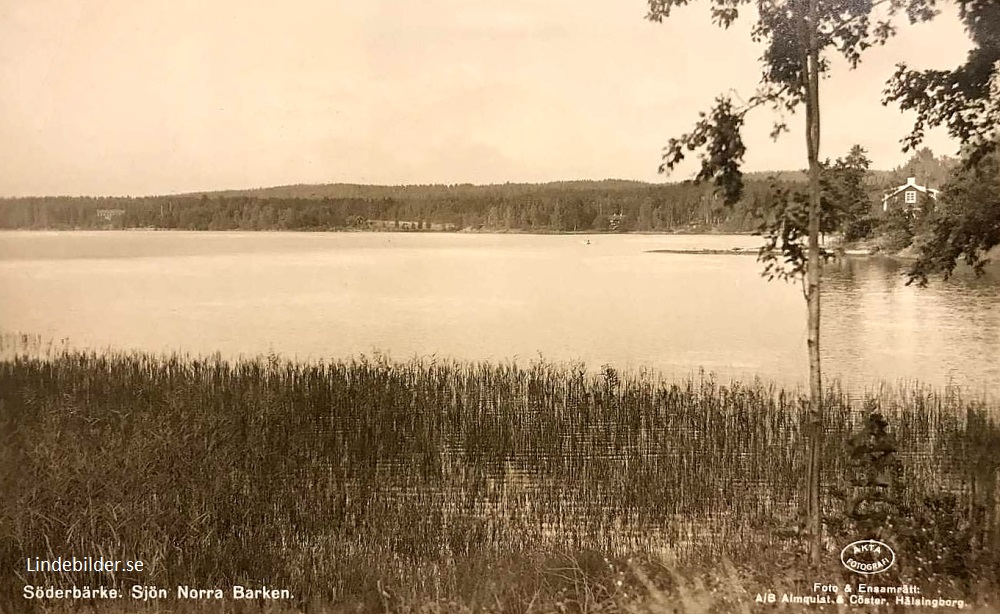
[910,197]
[109,214]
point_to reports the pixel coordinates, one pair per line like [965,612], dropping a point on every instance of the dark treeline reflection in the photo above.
[874,322]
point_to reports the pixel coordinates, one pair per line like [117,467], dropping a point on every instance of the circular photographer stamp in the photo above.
[867,556]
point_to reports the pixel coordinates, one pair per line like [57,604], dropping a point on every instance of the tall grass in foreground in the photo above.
[323,477]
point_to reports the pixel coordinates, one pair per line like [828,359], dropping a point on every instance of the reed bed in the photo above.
[322,476]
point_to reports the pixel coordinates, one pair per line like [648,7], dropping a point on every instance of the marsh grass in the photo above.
[381,483]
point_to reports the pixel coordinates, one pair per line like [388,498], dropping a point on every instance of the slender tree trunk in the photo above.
[815,420]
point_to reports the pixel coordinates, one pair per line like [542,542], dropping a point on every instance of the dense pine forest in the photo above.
[565,206]
[555,207]
[622,206]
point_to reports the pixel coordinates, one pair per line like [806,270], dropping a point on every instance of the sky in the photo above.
[138,97]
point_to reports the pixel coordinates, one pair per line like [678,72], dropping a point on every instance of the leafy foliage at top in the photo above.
[964,99]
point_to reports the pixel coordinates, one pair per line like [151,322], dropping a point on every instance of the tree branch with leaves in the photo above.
[966,101]
[798,36]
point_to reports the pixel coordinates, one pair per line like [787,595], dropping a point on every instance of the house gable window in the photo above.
[911,197]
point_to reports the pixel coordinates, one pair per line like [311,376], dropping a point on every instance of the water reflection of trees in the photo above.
[947,331]
[843,273]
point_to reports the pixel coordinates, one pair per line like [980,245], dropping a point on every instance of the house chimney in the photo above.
[911,181]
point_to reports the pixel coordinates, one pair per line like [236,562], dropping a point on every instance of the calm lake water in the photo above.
[497,297]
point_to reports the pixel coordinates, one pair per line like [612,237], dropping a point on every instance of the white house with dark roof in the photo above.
[909,197]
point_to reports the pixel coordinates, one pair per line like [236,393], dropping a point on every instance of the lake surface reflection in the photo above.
[496,297]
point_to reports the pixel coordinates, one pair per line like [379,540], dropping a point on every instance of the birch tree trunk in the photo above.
[814,264]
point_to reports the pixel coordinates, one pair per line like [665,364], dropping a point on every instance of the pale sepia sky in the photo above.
[155,96]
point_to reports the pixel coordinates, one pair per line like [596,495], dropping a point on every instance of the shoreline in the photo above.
[856,250]
[736,251]
[463,231]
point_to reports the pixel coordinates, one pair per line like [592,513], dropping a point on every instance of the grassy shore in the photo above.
[372,485]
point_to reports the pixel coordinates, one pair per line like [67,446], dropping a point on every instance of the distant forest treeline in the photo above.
[610,205]
[565,206]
